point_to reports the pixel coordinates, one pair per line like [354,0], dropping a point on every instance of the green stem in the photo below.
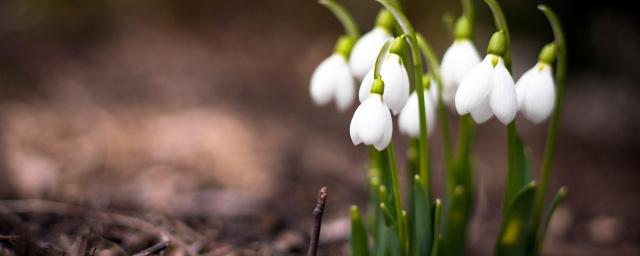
[379,59]
[404,23]
[501,24]
[449,23]
[511,162]
[397,200]
[561,70]
[467,10]
[343,16]
[434,68]
[464,169]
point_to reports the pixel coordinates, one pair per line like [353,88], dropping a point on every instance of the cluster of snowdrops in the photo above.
[387,61]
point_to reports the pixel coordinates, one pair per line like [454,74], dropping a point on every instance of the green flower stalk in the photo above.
[341,13]
[404,23]
[561,70]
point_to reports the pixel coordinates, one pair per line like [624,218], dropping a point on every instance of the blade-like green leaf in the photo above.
[437,238]
[372,205]
[512,240]
[455,223]
[557,200]
[392,245]
[358,241]
[386,214]
[381,239]
[422,228]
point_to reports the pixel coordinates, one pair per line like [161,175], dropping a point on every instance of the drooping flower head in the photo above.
[488,89]
[458,60]
[536,89]
[371,123]
[363,55]
[332,79]
[409,119]
[394,74]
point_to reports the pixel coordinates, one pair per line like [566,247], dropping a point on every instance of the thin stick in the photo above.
[317,214]
[155,249]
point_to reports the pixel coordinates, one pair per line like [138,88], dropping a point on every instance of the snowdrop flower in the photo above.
[536,90]
[395,77]
[409,119]
[488,89]
[366,49]
[332,79]
[371,123]
[458,60]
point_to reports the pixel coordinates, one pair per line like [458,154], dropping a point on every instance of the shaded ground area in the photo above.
[198,129]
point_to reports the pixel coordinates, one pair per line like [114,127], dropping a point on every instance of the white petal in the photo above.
[504,101]
[482,113]
[388,132]
[409,119]
[475,87]
[447,71]
[540,97]
[523,84]
[365,86]
[323,79]
[372,122]
[344,86]
[353,127]
[430,113]
[396,83]
[364,52]
[433,91]
[459,59]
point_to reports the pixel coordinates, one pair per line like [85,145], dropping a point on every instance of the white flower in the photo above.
[371,123]
[488,90]
[458,60]
[536,93]
[409,120]
[396,83]
[332,80]
[364,52]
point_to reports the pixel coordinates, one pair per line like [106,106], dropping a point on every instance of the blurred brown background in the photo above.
[195,115]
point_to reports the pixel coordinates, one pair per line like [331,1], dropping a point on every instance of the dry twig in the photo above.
[317,214]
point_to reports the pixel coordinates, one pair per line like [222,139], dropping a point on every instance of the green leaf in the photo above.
[373,214]
[557,200]
[455,223]
[358,241]
[522,175]
[422,228]
[391,230]
[512,240]
[386,214]
[382,240]
[437,238]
